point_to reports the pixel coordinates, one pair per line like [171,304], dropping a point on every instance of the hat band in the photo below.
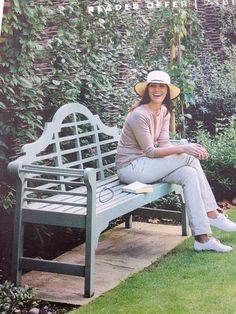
[157,81]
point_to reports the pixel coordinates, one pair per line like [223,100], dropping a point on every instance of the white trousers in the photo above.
[181,169]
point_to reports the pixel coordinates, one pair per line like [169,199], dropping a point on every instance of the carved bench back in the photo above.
[75,139]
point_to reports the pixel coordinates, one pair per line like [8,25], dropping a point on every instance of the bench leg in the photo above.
[128,221]
[91,238]
[18,242]
[184,219]
[185,224]
[90,247]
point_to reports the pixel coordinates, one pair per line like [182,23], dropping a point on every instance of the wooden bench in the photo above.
[67,178]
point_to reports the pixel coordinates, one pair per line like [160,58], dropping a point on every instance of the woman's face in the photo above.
[157,92]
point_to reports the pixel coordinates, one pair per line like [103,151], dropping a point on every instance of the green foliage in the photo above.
[7,197]
[215,77]
[220,168]
[227,25]
[83,70]
[171,202]
[20,90]
[181,46]
[215,88]
[16,298]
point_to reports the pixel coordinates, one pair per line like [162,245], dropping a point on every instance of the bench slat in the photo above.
[49,156]
[53,170]
[158,213]
[58,182]
[51,266]
[49,191]
[59,206]
[72,124]
[54,218]
[47,201]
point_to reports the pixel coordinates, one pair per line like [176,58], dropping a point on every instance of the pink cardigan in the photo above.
[144,130]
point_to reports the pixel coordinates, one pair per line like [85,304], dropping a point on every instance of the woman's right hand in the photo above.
[196,150]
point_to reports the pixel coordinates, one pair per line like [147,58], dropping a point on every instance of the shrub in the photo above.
[214,98]
[220,168]
[227,25]
[172,202]
[16,298]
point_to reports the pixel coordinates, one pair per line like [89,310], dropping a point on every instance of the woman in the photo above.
[145,154]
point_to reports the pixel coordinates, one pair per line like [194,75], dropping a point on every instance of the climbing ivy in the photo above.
[86,59]
[227,24]
[20,90]
[183,38]
[21,97]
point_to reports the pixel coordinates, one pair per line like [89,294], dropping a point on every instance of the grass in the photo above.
[182,282]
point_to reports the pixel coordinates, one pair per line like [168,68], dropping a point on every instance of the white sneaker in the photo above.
[223,223]
[212,245]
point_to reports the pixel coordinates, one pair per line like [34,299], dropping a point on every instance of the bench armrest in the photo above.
[13,167]
[17,169]
[56,185]
[179,142]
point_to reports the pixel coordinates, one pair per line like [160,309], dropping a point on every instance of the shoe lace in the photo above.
[224,216]
[214,239]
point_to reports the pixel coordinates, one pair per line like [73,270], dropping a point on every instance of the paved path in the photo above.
[120,253]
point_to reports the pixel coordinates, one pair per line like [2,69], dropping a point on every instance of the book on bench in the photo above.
[138,187]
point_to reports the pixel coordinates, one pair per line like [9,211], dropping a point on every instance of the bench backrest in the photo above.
[75,139]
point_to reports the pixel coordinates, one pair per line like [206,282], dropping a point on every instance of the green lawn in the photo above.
[181,282]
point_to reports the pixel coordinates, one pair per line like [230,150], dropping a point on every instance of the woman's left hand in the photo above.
[203,154]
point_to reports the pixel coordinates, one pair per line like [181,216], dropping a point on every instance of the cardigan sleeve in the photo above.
[164,137]
[140,126]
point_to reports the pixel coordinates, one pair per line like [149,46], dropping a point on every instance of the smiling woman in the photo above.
[157,93]
[145,154]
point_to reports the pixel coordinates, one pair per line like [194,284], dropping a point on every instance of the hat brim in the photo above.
[140,89]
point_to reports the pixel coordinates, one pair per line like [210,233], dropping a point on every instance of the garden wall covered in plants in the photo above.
[56,52]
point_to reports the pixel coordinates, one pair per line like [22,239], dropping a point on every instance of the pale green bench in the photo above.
[67,178]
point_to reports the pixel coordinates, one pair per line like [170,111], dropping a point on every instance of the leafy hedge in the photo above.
[215,92]
[13,298]
[220,168]
[20,90]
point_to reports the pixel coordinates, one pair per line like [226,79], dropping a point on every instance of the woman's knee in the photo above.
[187,160]
[194,162]
[189,174]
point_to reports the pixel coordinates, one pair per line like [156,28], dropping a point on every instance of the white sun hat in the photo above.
[157,77]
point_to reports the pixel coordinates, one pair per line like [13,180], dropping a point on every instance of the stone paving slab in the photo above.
[120,253]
